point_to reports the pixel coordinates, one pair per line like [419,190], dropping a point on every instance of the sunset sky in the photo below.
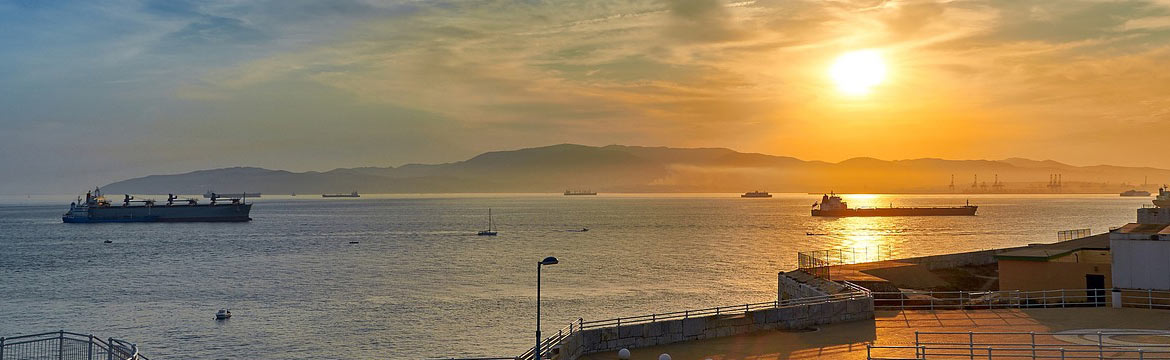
[95,92]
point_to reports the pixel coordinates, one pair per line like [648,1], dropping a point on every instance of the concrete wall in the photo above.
[1086,256]
[1153,216]
[707,327]
[946,261]
[1141,264]
[1049,275]
[788,287]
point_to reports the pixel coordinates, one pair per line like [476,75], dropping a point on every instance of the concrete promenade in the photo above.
[848,340]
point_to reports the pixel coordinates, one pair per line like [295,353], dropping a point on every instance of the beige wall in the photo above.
[1086,256]
[1041,275]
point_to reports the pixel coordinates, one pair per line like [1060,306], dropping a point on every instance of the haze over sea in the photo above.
[420,284]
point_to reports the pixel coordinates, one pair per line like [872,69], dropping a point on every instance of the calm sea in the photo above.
[420,284]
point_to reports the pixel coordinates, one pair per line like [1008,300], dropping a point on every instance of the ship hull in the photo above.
[233,195]
[931,211]
[178,213]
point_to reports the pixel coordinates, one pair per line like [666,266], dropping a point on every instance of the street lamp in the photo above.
[547,261]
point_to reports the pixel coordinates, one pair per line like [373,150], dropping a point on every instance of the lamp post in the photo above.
[547,261]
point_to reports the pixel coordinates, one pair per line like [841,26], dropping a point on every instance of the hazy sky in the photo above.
[94,92]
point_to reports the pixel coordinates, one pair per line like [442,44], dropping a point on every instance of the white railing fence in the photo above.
[1020,345]
[959,300]
[1017,299]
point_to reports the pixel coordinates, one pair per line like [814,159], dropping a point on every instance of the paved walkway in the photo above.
[848,340]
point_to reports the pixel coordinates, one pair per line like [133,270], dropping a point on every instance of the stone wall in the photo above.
[714,326]
[799,284]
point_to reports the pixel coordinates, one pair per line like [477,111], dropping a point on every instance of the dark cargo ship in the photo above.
[96,208]
[756,194]
[831,205]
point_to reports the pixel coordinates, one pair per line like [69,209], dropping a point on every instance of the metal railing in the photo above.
[549,343]
[1018,345]
[64,345]
[1065,235]
[817,262]
[1017,299]
[721,310]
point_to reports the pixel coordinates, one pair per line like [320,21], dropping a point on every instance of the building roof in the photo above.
[1045,252]
[1144,229]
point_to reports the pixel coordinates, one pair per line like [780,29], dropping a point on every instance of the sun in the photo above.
[857,72]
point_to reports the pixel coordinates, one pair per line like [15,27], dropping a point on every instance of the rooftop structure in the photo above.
[1141,251]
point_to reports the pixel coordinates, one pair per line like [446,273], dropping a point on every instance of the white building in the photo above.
[1141,251]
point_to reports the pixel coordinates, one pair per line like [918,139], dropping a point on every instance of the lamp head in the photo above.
[551,260]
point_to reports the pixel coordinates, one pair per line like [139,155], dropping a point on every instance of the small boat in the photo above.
[109,241]
[1135,192]
[756,194]
[353,242]
[223,314]
[490,230]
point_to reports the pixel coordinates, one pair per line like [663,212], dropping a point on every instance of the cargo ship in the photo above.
[1163,199]
[97,209]
[352,194]
[208,194]
[586,192]
[756,194]
[831,205]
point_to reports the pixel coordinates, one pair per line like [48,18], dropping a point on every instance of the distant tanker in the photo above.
[831,205]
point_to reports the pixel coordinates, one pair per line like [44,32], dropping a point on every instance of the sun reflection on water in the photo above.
[874,238]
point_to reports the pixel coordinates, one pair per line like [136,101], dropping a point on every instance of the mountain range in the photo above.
[618,168]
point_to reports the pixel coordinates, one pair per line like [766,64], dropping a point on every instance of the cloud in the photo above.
[213,31]
[501,73]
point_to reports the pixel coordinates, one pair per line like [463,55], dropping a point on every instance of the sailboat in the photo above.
[490,230]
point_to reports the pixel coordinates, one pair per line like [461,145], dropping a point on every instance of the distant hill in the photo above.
[618,168]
